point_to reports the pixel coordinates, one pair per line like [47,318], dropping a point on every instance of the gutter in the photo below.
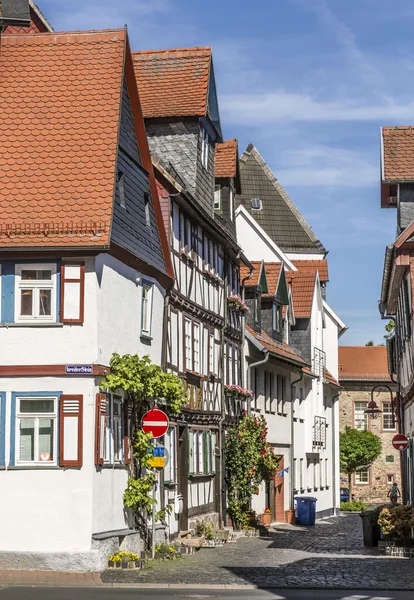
[292,443]
[382,305]
[243,290]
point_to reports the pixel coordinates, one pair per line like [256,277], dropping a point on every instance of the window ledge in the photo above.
[272,412]
[146,336]
[199,476]
[32,324]
[35,468]
[301,420]
[170,484]
[113,466]
[295,419]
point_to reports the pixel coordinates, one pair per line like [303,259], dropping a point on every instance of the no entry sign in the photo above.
[400,442]
[155,422]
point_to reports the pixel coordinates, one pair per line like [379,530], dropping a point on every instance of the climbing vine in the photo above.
[144,385]
[249,461]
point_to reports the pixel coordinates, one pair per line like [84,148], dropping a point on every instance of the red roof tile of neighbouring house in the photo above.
[226,159]
[312,266]
[279,349]
[398,153]
[329,378]
[60,103]
[363,362]
[245,272]
[173,83]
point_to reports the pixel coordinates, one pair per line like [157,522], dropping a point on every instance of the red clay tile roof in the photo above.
[245,272]
[279,349]
[329,378]
[226,158]
[173,83]
[398,153]
[363,362]
[60,101]
[312,266]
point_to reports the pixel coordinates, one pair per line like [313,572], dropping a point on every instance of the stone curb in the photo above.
[193,586]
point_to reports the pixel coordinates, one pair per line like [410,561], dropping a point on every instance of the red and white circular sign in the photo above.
[155,422]
[400,442]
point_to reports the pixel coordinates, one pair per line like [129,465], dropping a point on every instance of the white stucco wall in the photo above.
[119,298]
[48,509]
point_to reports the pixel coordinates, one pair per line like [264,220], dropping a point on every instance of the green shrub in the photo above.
[396,521]
[204,530]
[354,506]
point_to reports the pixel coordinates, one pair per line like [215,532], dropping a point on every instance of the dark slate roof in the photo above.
[279,217]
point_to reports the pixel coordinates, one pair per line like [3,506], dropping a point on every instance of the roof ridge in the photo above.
[40,38]
[251,150]
[194,49]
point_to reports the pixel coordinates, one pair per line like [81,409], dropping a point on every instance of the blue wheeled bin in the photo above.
[306,510]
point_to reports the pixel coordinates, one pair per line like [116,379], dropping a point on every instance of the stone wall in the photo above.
[389,461]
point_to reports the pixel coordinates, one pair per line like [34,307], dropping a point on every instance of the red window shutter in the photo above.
[127,431]
[72,292]
[100,417]
[71,431]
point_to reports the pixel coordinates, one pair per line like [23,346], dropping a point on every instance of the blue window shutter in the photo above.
[2,428]
[7,289]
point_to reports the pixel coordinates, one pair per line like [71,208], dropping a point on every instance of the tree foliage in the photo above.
[389,328]
[358,450]
[249,461]
[370,343]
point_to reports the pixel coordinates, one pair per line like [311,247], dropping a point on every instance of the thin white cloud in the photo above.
[325,166]
[264,108]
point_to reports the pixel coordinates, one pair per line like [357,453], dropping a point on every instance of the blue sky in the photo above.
[309,82]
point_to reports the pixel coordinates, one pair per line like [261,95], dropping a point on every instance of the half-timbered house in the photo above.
[84,271]
[178,94]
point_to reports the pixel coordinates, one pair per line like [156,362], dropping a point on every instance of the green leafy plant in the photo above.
[389,328]
[161,514]
[204,530]
[354,506]
[249,461]
[358,450]
[166,551]
[396,521]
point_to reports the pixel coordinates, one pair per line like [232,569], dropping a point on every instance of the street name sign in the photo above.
[155,422]
[79,369]
[400,442]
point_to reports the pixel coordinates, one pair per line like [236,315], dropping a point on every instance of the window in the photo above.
[362,476]
[256,204]
[217,197]
[230,357]
[277,318]
[113,439]
[121,187]
[205,144]
[202,452]
[360,417]
[257,308]
[170,447]
[36,435]
[321,474]
[193,345]
[147,205]
[388,417]
[390,479]
[231,204]
[281,384]
[146,309]
[211,355]
[36,293]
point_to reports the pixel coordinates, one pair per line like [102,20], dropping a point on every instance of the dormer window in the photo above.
[217,197]
[256,204]
[277,318]
[205,145]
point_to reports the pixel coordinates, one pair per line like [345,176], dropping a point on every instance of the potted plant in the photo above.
[235,303]
[290,516]
[267,517]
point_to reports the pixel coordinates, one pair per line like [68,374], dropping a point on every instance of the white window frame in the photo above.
[301,475]
[389,414]
[360,411]
[170,446]
[205,144]
[212,353]
[36,416]
[217,197]
[35,285]
[112,422]
[146,309]
[196,347]
[188,339]
[358,478]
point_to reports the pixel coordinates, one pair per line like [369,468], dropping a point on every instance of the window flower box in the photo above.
[236,304]
[236,391]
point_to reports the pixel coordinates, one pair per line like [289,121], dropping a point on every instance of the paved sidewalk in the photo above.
[331,554]
[48,578]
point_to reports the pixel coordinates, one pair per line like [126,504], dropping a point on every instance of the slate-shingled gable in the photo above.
[279,218]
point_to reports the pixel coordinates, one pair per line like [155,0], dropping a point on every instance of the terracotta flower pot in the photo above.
[267,519]
[290,516]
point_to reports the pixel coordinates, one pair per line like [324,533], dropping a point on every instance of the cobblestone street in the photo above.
[329,554]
